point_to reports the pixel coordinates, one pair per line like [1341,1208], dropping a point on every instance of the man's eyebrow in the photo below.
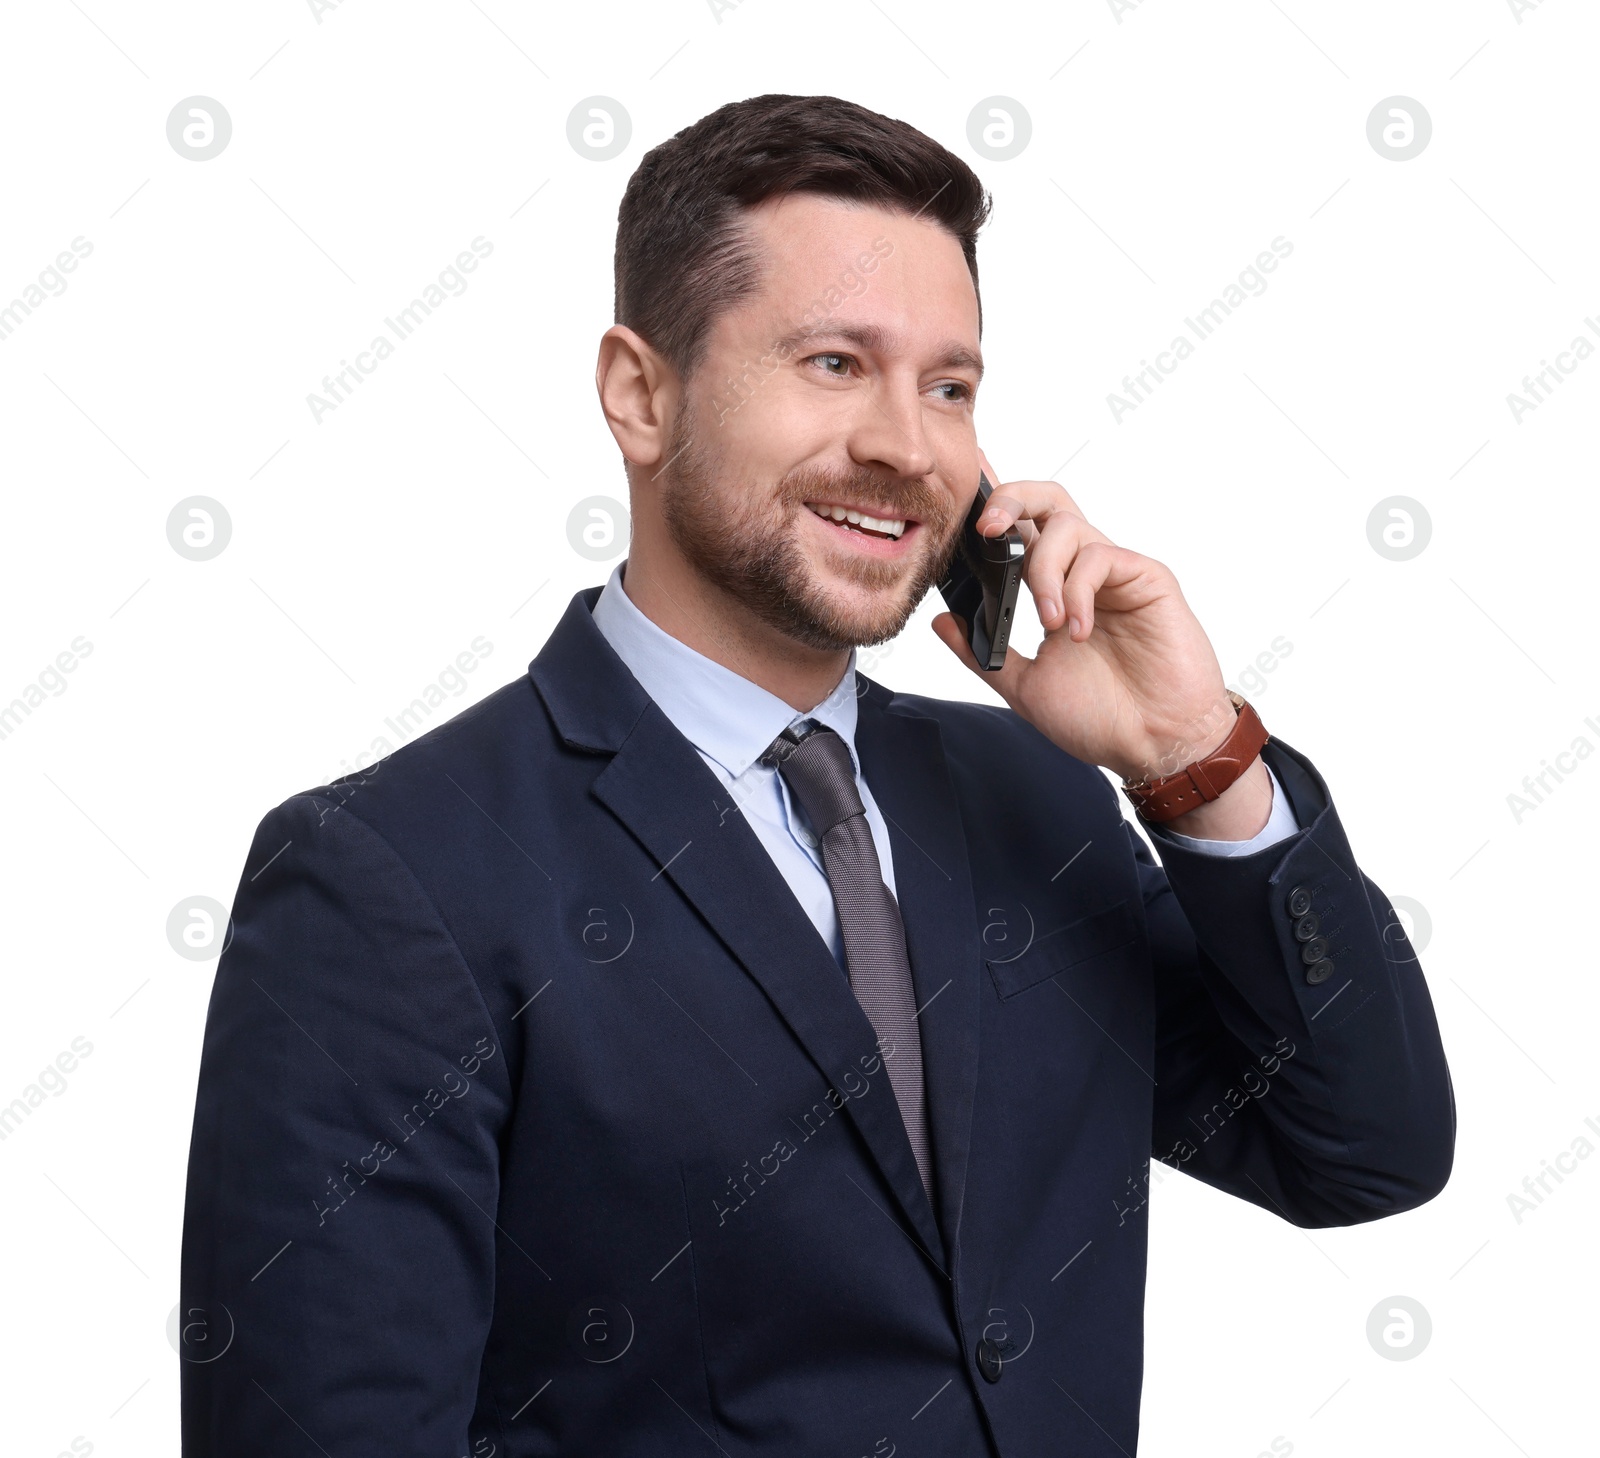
[952,354]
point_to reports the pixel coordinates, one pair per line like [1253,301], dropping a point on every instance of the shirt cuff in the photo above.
[1281,824]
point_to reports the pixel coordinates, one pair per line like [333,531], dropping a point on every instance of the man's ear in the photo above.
[638,393]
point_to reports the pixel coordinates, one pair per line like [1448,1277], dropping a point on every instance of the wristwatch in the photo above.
[1176,794]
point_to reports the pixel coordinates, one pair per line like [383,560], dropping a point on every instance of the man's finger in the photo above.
[993,521]
[954,633]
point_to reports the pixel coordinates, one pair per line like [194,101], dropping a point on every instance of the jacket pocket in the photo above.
[1083,940]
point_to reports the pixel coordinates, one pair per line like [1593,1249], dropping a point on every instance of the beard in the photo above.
[745,540]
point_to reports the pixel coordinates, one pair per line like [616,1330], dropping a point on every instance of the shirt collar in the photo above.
[722,713]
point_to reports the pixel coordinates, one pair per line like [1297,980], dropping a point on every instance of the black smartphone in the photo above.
[982,586]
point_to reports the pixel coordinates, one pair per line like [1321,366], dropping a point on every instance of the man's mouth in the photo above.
[853,519]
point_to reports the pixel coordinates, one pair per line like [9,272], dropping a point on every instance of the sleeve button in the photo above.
[1319,971]
[1299,901]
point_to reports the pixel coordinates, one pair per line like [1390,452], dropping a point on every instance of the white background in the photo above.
[1170,145]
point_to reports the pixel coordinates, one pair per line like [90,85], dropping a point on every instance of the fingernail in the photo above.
[1047,610]
[1073,627]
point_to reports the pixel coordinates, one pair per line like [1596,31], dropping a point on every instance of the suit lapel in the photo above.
[902,758]
[658,786]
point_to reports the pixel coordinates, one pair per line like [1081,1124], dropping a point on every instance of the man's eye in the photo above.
[842,359]
[962,391]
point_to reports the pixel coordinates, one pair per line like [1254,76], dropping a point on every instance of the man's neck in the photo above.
[706,619]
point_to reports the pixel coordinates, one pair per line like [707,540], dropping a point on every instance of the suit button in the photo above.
[1299,901]
[1319,971]
[1314,951]
[989,1358]
[1306,927]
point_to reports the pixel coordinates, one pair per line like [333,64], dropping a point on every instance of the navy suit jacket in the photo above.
[534,1116]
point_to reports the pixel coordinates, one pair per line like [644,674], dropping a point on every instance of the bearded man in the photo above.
[697,1045]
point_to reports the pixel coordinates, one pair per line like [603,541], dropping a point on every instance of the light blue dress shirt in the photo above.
[731,721]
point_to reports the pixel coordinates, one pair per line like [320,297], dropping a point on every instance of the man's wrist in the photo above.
[1203,778]
[1164,755]
[1239,813]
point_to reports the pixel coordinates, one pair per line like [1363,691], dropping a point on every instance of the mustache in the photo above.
[913,498]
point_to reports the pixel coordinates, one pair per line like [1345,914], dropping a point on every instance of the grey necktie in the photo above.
[815,762]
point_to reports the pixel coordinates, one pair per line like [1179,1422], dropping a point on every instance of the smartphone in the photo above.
[985,574]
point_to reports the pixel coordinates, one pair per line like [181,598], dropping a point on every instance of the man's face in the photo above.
[845,383]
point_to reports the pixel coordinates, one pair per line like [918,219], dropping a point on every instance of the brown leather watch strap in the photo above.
[1176,794]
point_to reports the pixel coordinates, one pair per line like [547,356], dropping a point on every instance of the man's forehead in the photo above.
[815,232]
[822,257]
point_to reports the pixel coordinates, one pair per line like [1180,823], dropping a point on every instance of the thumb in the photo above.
[952,632]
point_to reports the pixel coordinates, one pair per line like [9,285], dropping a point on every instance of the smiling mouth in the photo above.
[851,518]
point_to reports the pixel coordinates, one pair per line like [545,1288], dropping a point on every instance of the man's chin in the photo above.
[847,615]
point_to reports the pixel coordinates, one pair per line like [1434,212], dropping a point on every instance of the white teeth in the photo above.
[857,518]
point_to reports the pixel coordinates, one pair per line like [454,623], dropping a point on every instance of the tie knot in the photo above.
[815,763]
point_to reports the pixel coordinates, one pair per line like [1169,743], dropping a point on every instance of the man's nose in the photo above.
[888,435]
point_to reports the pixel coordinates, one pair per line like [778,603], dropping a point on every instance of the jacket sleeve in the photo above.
[339,1238]
[1328,1103]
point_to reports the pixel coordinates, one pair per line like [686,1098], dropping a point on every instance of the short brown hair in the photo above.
[683,254]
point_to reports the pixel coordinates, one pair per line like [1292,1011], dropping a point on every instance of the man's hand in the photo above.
[1125,677]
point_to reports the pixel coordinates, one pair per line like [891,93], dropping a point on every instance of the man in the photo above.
[697,1046]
